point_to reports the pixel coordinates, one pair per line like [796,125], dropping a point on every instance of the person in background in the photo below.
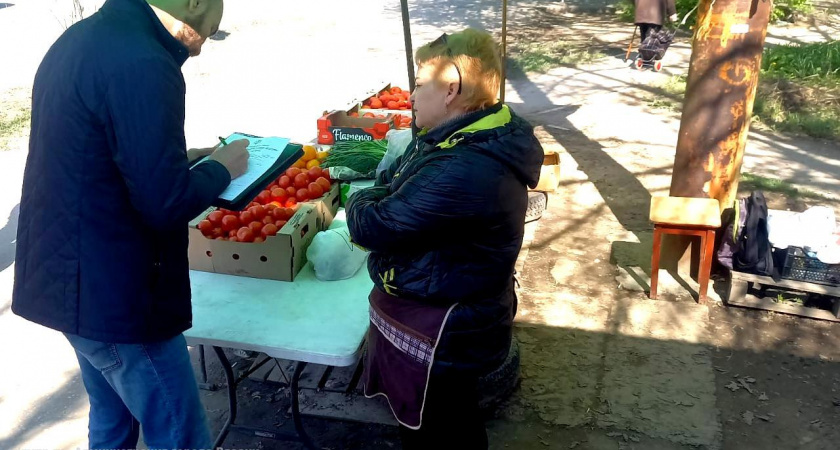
[107,197]
[650,14]
[444,226]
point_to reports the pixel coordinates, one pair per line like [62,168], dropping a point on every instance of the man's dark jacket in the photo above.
[107,193]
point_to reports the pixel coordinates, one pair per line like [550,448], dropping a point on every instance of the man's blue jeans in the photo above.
[141,385]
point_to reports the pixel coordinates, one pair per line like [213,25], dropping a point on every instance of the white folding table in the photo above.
[307,321]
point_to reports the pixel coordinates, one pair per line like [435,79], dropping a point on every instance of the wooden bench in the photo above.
[739,296]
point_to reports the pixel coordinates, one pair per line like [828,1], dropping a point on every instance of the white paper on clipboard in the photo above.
[264,152]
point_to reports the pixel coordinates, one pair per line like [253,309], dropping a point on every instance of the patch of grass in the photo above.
[751,182]
[809,106]
[659,103]
[13,124]
[820,59]
[675,85]
[542,56]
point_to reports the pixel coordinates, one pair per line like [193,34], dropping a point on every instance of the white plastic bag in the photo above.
[398,141]
[333,256]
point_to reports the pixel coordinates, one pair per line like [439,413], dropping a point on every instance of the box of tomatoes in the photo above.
[261,241]
[305,182]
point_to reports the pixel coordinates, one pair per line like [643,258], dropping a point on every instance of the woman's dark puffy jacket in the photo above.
[445,225]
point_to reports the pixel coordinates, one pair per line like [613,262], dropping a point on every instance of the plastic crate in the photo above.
[801,267]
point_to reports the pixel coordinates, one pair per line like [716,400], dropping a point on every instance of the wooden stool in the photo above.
[688,217]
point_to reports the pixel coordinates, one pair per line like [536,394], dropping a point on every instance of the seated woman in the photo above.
[444,226]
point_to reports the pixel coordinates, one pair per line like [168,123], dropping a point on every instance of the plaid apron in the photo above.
[400,353]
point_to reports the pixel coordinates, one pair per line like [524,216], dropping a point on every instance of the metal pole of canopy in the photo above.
[409,57]
[504,50]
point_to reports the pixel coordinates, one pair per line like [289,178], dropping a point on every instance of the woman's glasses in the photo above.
[442,40]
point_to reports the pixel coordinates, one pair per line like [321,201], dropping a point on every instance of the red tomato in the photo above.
[291,202]
[314,173]
[230,222]
[301,180]
[280,224]
[206,227]
[393,105]
[279,214]
[255,227]
[233,239]
[245,235]
[221,238]
[268,219]
[291,191]
[259,239]
[232,233]
[253,204]
[279,194]
[268,207]
[315,190]
[258,212]
[302,195]
[292,172]
[217,233]
[264,197]
[325,183]
[284,182]
[246,217]
[269,230]
[215,218]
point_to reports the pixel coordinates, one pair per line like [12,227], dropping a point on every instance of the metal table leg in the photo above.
[231,391]
[202,363]
[296,416]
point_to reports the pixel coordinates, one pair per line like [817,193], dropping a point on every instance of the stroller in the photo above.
[653,48]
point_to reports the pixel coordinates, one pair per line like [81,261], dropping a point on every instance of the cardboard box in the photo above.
[337,126]
[326,206]
[280,257]
[549,173]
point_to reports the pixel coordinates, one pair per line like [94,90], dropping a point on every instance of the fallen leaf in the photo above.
[750,379]
[733,386]
[764,418]
[763,397]
[748,417]
[745,385]
[574,444]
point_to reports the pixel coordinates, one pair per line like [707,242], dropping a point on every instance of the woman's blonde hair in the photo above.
[476,56]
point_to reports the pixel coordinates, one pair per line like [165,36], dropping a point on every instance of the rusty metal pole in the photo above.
[722,79]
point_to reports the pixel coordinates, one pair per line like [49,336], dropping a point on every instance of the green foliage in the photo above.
[787,10]
[800,89]
[803,61]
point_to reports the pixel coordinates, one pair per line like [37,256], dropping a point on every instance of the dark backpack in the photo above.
[753,252]
[732,222]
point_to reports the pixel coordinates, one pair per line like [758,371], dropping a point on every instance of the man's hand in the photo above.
[233,156]
[195,153]
[674,17]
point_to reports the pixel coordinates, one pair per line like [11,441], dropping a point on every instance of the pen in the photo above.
[222,140]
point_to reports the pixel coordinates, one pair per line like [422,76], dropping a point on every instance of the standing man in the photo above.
[107,195]
[650,14]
